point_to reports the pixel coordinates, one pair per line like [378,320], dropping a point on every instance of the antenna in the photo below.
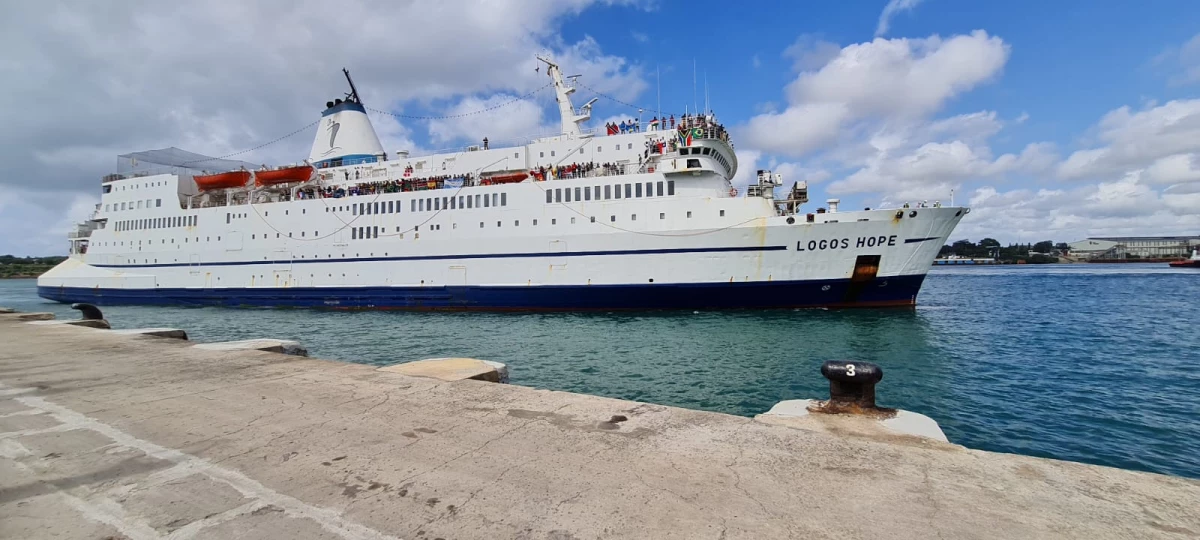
[658,76]
[694,83]
[707,108]
[353,91]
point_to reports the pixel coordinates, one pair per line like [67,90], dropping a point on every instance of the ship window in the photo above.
[480,224]
[495,199]
[541,154]
[638,191]
[139,204]
[429,204]
[445,203]
[535,223]
[607,192]
[106,208]
[376,232]
[693,163]
[633,217]
[722,213]
[660,188]
[554,221]
[503,199]
[670,187]
[157,203]
[572,221]
[460,202]
[587,193]
[552,153]
[487,201]
[469,205]
[353,210]
[599,148]
[353,234]
[593,219]
[421,202]
[662,215]
[649,189]
[684,151]
[437,203]
[301,235]
[689,214]
[413,206]
[391,207]
[516,223]
[628,191]
[549,196]
[578,191]
[617,191]
[453,201]
[252,237]
[612,219]
[477,201]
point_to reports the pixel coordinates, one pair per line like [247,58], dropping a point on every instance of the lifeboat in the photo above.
[301,173]
[505,178]
[1193,262]
[231,179]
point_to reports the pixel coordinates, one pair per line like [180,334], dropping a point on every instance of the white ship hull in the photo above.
[637,254]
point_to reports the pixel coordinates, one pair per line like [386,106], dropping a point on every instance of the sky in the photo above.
[1051,120]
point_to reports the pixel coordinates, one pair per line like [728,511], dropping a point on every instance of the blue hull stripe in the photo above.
[460,257]
[889,291]
[915,240]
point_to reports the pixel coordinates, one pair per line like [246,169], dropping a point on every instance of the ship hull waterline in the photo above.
[882,292]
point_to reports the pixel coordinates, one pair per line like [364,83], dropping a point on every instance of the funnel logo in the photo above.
[332,127]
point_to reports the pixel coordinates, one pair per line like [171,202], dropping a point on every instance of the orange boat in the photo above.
[229,179]
[505,178]
[301,173]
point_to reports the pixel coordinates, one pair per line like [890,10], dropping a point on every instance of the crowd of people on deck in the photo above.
[688,121]
[392,186]
[577,170]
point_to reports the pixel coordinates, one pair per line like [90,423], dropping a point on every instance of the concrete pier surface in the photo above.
[118,435]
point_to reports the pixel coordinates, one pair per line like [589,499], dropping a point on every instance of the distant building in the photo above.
[1134,247]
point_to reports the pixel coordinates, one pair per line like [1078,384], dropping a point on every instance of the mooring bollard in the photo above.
[851,385]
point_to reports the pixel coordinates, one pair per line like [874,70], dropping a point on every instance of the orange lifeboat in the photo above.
[505,178]
[231,179]
[301,173]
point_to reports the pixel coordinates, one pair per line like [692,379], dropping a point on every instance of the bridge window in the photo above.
[412,205]
[460,201]
[587,193]
[607,192]
[452,203]
[638,191]
[437,203]
[495,199]
[628,191]
[549,196]
[662,215]
[445,203]
[476,202]
[503,199]
[660,188]
[693,163]
[578,191]
[157,203]
[670,187]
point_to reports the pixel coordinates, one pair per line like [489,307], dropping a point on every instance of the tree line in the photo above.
[1046,251]
[12,266]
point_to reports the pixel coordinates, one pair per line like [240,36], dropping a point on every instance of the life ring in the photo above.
[733,192]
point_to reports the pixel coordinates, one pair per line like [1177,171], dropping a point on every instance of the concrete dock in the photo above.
[117,435]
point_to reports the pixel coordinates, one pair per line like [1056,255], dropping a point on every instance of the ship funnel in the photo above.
[833,204]
[345,135]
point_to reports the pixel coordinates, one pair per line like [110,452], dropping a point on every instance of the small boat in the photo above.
[229,179]
[505,178]
[283,175]
[1193,262]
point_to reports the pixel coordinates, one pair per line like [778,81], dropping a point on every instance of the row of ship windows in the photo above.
[704,151]
[599,148]
[108,187]
[426,204]
[608,192]
[132,205]
[156,223]
[372,232]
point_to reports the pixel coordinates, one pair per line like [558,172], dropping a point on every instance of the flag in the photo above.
[685,137]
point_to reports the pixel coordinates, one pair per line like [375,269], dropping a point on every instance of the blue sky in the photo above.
[1052,120]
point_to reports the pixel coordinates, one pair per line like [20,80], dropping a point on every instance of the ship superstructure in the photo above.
[640,219]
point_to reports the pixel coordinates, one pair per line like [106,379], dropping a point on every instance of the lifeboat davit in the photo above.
[231,179]
[301,173]
[505,178]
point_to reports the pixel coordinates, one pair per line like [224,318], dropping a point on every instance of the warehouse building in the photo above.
[1135,247]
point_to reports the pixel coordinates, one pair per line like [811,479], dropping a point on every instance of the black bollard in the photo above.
[851,385]
[88,311]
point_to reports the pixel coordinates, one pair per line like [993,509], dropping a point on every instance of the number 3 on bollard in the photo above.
[849,370]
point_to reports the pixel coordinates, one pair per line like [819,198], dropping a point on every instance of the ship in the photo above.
[1190,262]
[641,218]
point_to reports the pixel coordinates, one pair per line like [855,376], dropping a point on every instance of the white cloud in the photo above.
[221,76]
[514,123]
[1182,64]
[1133,140]
[892,8]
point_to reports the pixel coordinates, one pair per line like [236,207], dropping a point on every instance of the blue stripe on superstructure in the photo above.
[349,159]
[344,106]
[461,256]
[915,240]
[883,291]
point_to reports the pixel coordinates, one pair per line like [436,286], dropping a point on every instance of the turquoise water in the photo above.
[1092,363]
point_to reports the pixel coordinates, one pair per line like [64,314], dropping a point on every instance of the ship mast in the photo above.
[353,95]
[562,93]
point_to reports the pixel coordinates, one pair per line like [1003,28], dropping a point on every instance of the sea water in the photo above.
[1091,363]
